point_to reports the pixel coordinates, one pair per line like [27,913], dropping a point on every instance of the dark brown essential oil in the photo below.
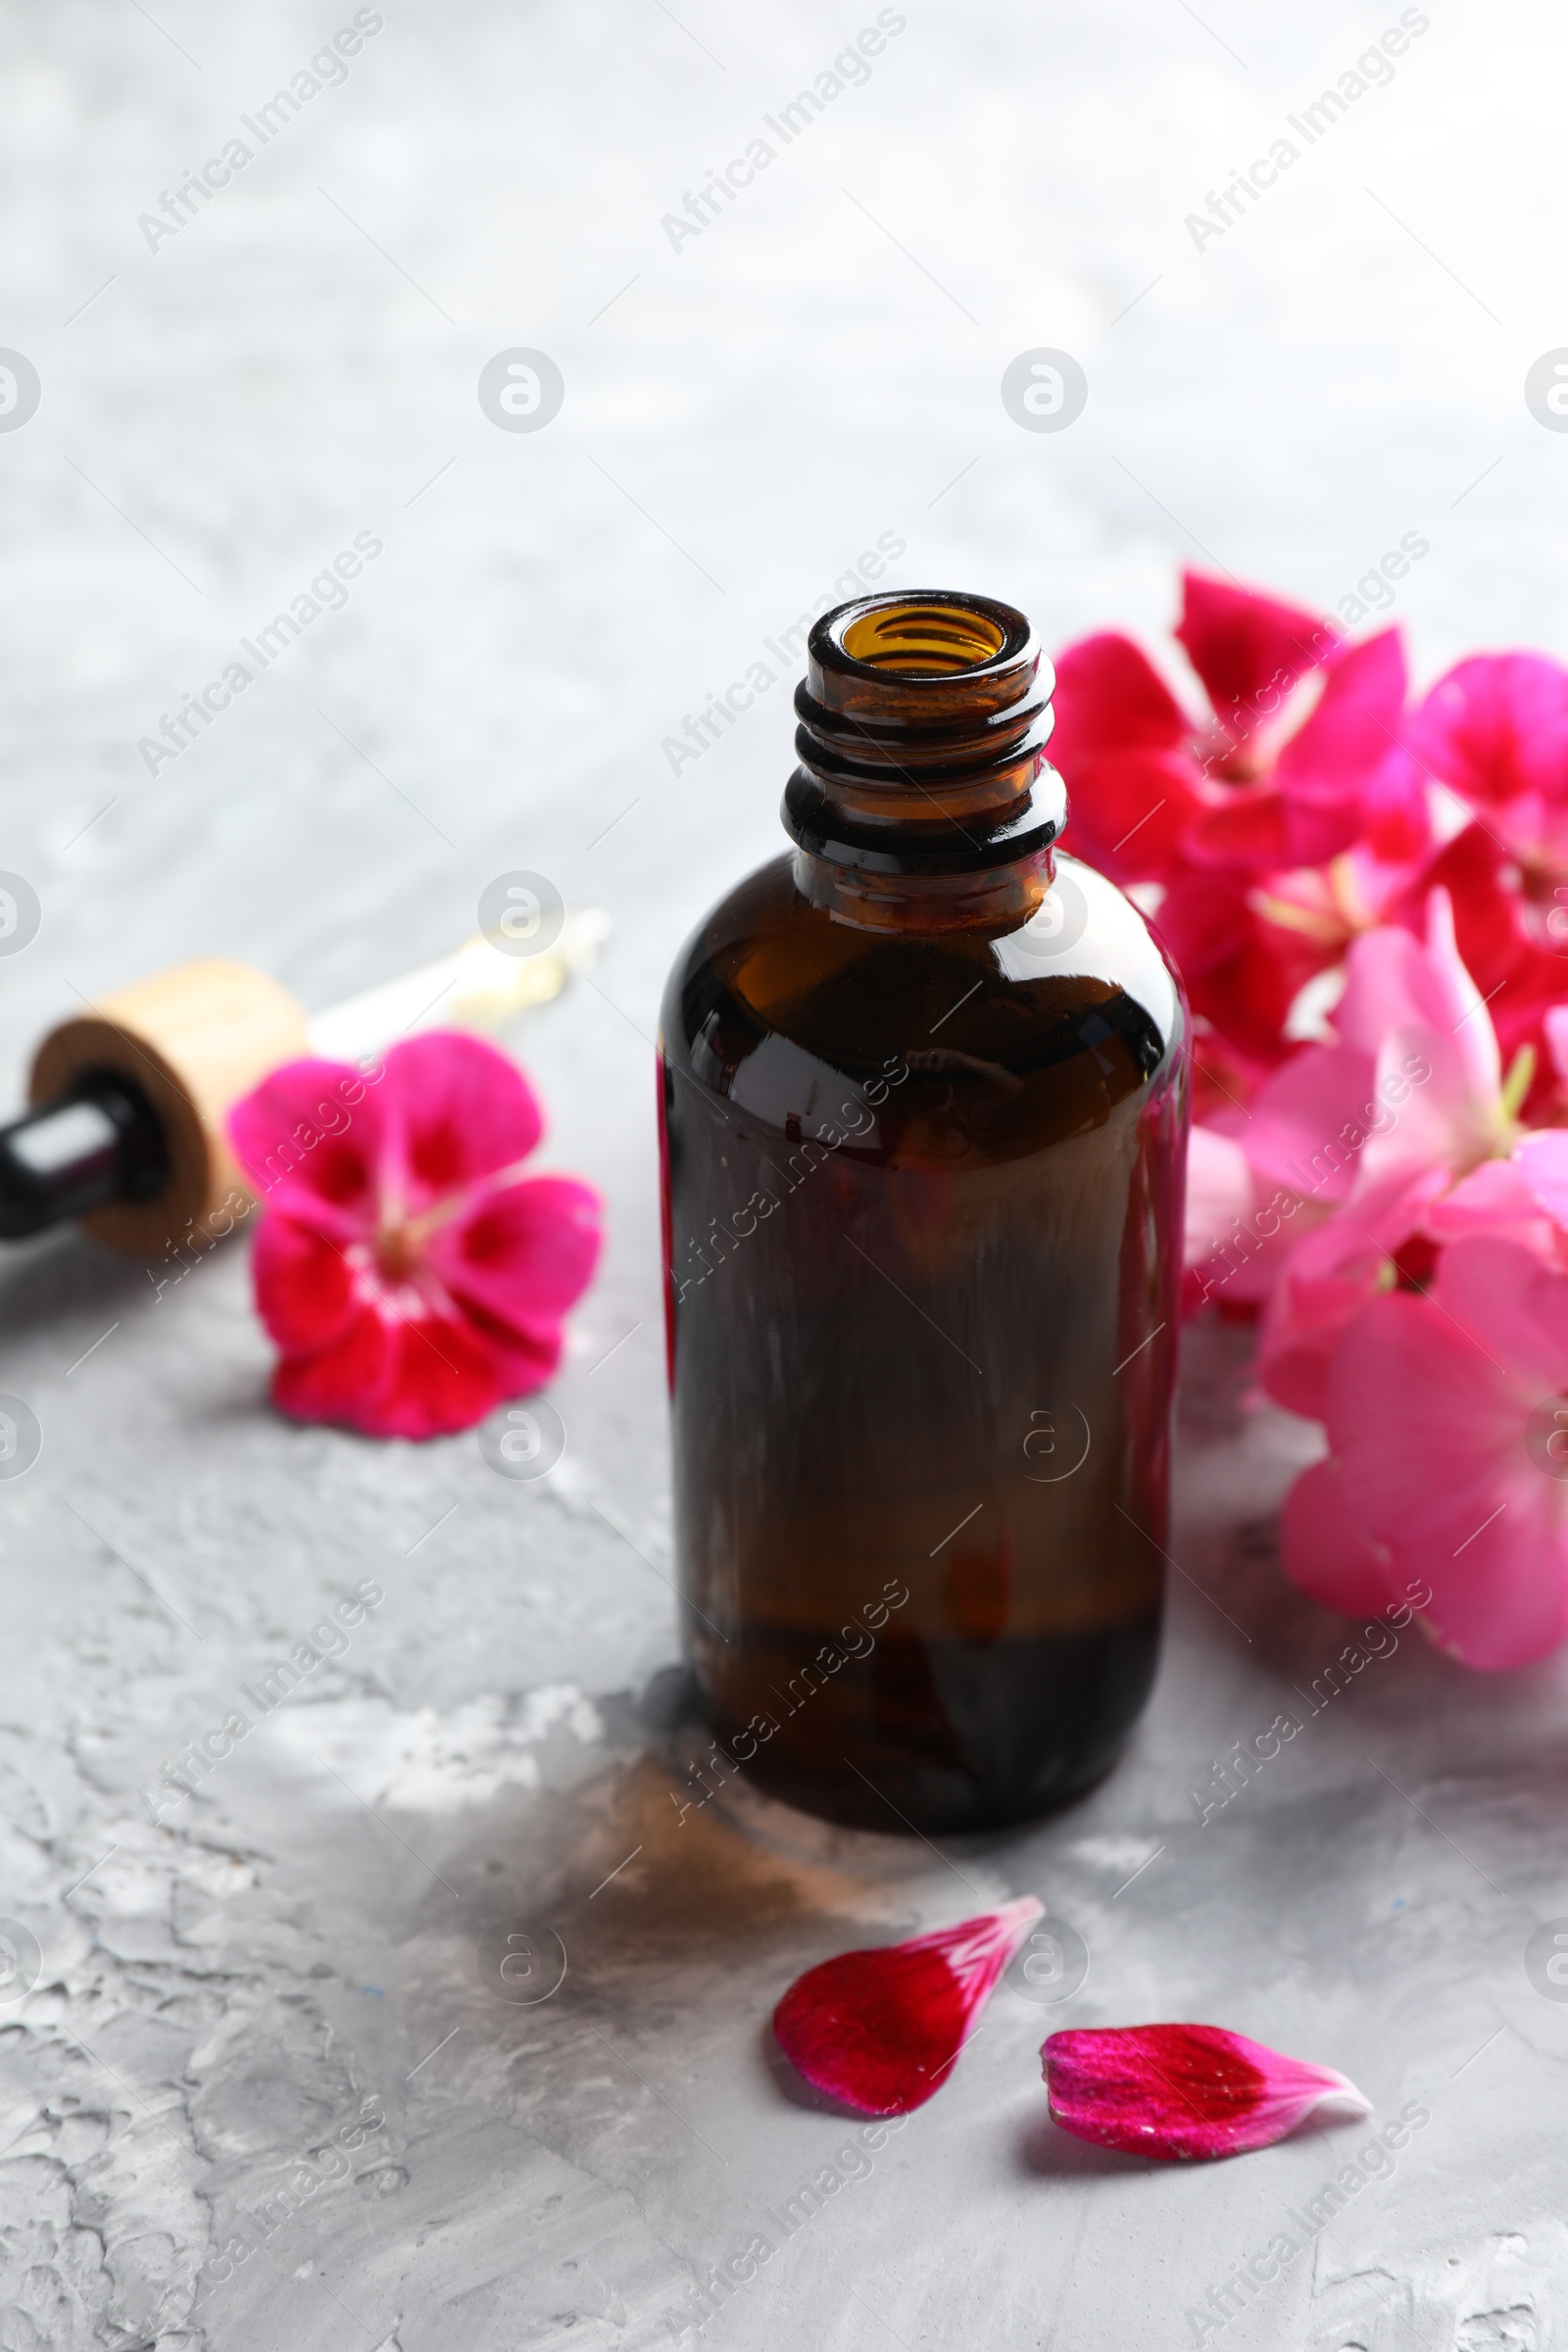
[923,1125]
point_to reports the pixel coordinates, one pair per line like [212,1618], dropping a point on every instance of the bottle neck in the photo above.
[923,800]
[994,901]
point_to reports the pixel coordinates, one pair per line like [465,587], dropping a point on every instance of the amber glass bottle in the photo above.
[923,1125]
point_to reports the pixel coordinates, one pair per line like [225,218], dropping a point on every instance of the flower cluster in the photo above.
[1367,894]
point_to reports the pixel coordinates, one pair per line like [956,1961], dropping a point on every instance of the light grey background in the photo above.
[743,417]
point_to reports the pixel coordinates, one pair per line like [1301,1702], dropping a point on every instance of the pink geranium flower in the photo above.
[1495,731]
[1148,781]
[411,1278]
[1184,2090]
[1448,1426]
[1277,824]
[880,2029]
[1349,1145]
[1505,1195]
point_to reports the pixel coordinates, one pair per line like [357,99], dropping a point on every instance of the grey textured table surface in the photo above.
[292,1958]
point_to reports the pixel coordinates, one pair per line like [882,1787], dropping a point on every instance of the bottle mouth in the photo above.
[928,638]
[914,655]
[924,717]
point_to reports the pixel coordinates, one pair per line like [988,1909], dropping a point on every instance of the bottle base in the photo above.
[940,1736]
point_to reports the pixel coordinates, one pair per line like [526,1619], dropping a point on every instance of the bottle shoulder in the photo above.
[781,1009]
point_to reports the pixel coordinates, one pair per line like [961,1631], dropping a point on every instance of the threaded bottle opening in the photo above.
[924,717]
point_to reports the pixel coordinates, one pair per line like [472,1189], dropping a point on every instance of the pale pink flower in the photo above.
[1447,1425]
[1351,1144]
[1525,1197]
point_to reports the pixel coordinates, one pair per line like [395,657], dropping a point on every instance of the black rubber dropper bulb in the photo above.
[96,1145]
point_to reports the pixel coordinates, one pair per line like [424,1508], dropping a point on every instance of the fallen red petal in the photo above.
[880,2029]
[1184,2090]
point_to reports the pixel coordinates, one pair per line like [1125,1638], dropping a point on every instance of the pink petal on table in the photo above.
[881,2029]
[1184,2090]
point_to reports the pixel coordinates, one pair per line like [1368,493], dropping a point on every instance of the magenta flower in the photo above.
[1447,1428]
[411,1278]
[1184,2090]
[1277,823]
[1135,759]
[1495,730]
[1255,781]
